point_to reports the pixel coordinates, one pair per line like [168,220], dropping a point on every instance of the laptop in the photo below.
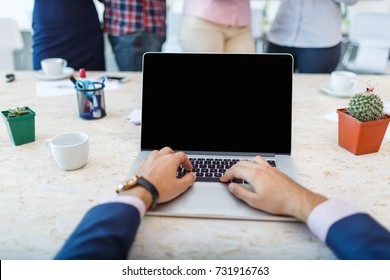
[217,108]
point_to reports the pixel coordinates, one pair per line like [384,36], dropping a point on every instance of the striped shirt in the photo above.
[128,16]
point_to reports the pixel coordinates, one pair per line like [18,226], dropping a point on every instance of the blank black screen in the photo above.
[217,102]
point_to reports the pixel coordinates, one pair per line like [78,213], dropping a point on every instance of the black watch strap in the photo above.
[151,188]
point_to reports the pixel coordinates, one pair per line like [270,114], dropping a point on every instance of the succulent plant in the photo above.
[366,106]
[18,111]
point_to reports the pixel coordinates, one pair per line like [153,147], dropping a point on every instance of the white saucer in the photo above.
[68,71]
[325,87]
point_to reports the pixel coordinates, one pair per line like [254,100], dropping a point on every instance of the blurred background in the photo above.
[263,12]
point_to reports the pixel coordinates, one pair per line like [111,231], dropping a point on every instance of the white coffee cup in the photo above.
[343,81]
[53,66]
[70,150]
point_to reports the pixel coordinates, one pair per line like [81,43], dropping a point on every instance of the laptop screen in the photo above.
[217,102]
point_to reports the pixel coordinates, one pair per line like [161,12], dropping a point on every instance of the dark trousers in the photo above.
[129,49]
[310,60]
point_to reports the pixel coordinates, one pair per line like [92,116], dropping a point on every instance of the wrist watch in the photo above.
[138,180]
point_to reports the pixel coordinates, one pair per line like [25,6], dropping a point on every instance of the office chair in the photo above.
[368,44]
[11,40]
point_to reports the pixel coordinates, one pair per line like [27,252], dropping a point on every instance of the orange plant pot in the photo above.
[360,137]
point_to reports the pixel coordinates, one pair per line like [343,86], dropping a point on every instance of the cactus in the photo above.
[366,106]
[18,111]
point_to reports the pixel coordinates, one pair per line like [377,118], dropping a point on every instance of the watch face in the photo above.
[131,181]
[128,184]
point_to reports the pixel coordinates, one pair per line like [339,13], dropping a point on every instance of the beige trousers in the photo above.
[199,35]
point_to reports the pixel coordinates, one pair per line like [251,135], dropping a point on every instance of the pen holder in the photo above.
[91,101]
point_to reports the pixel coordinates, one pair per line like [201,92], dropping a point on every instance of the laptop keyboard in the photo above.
[211,169]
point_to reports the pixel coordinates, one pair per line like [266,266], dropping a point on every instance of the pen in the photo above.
[73,80]
[121,79]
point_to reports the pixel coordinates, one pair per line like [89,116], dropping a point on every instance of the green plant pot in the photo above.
[21,129]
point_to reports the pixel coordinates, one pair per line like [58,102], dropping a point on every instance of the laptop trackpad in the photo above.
[211,197]
[212,200]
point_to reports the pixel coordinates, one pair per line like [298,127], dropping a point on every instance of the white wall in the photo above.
[21,10]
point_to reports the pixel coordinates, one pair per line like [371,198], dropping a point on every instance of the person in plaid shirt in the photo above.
[134,27]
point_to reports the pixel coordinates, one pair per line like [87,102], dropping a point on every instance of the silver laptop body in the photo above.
[217,106]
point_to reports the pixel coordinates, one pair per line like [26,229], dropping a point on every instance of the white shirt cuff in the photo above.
[326,214]
[132,200]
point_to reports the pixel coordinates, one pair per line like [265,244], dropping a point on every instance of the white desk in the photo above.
[41,205]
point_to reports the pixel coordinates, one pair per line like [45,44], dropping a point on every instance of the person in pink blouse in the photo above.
[217,26]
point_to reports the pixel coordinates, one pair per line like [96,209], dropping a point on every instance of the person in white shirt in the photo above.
[311,31]
[216,26]
[107,231]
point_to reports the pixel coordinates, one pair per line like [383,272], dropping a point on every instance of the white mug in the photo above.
[53,66]
[342,81]
[70,150]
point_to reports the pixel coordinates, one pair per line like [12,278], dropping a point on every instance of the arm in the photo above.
[351,235]
[359,237]
[107,231]
[275,192]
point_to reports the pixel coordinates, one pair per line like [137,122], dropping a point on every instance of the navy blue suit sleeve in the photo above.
[359,236]
[107,231]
